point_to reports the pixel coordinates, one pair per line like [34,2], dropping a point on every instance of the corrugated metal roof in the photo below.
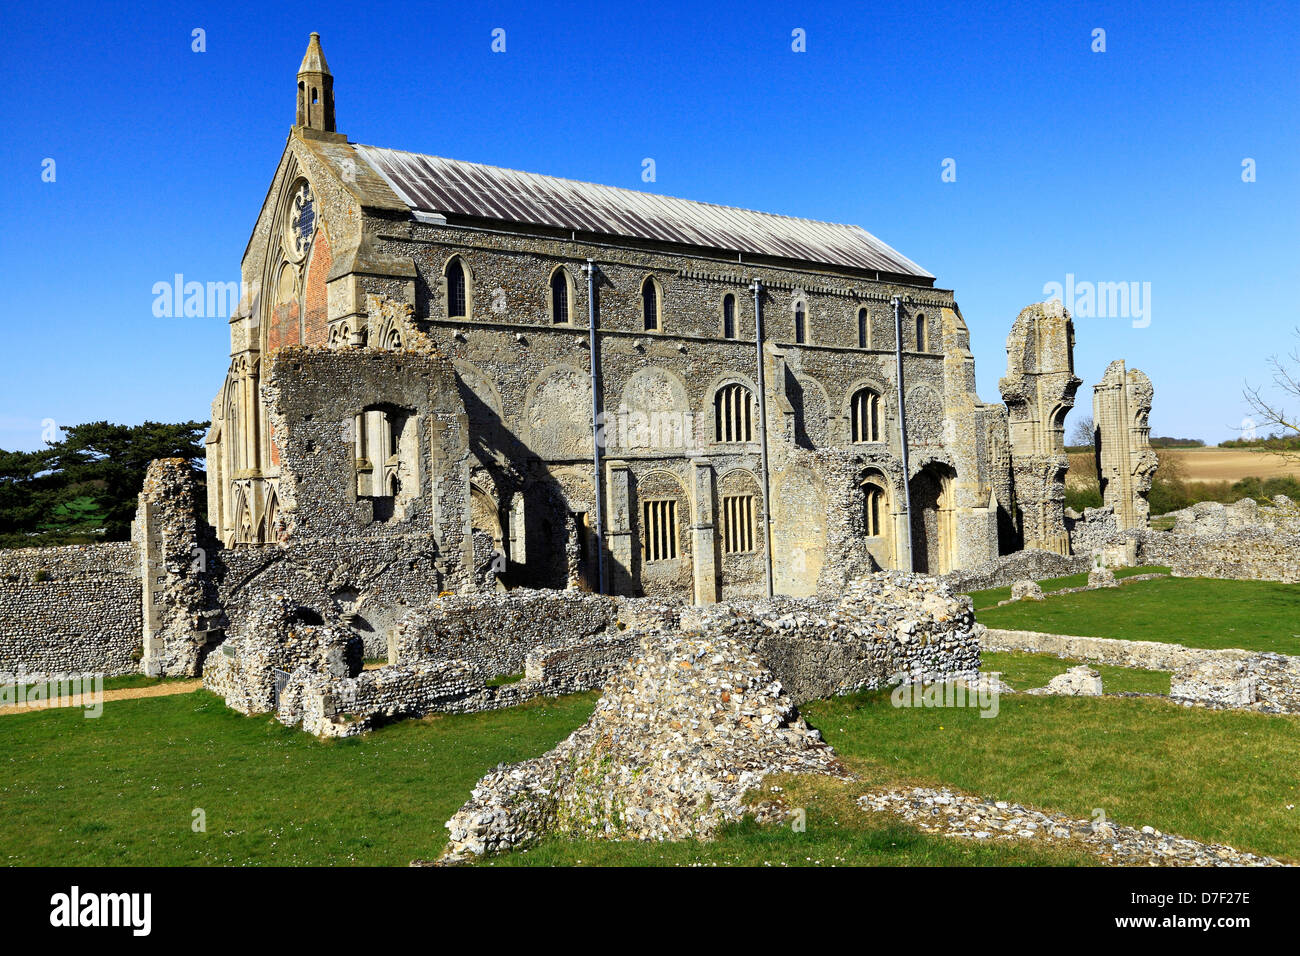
[432,184]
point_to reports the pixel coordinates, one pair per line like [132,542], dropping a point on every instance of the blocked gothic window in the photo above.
[733,413]
[737,524]
[800,324]
[659,530]
[728,316]
[650,305]
[377,440]
[457,291]
[864,412]
[559,297]
[873,510]
[864,329]
[922,335]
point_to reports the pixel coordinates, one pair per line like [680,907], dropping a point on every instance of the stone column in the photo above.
[618,524]
[703,534]
[1121,406]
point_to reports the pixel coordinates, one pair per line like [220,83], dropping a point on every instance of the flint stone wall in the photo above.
[70,609]
[685,729]
[344,708]
[1243,541]
[494,632]
[1033,565]
[887,627]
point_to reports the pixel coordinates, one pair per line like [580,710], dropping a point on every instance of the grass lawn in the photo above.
[991,597]
[1197,612]
[121,789]
[1218,776]
[1023,671]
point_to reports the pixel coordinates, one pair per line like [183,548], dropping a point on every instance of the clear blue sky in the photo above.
[1122,166]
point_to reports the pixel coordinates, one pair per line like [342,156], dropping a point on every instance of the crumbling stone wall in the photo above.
[180,617]
[1121,407]
[71,609]
[886,627]
[493,633]
[1039,390]
[698,716]
[279,635]
[686,728]
[1031,564]
[1242,541]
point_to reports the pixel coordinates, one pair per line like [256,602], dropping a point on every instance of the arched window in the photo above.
[728,316]
[650,304]
[922,335]
[457,290]
[864,410]
[864,329]
[873,510]
[733,413]
[800,324]
[559,297]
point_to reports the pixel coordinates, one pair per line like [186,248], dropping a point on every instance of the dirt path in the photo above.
[126,693]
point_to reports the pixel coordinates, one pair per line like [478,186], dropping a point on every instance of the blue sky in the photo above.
[1122,166]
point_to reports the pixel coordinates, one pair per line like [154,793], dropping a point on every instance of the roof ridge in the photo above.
[432,183]
[625,189]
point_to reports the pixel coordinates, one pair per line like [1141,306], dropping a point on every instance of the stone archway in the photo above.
[933,521]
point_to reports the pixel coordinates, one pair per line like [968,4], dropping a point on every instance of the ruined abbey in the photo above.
[577,385]
[447,378]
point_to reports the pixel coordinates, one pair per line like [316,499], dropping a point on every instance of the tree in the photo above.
[85,487]
[1082,433]
[1287,379]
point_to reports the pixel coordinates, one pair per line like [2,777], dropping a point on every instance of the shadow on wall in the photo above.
[554,527]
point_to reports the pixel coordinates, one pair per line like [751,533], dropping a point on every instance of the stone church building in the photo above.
[479,376]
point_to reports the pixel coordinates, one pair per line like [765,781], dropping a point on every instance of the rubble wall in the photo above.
[72,609]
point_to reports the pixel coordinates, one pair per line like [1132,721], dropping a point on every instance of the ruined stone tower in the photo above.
[1039,392]
[1121,407]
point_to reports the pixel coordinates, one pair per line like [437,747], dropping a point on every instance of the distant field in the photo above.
[1198,465]
[1231,464]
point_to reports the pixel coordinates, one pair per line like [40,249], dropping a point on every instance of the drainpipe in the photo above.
[762,428]
[902,427]
[590,269]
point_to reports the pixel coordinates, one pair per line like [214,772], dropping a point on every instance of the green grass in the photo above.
[1196,612]
[1218,776]
[991,597]
[120,790]
[1023,671]
[502,679]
